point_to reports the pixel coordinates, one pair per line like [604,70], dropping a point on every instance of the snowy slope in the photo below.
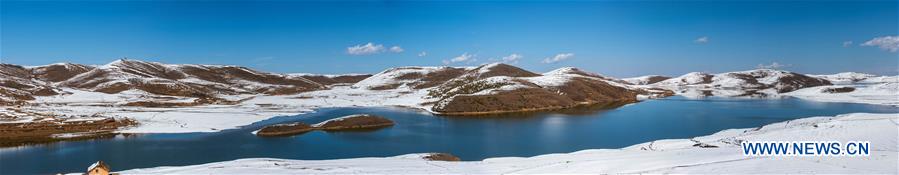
[879,93]
[213,118]
[856,78]
[411,87]
[854,88]
[332,79]
[752,79]
[845,77]
[661,156]
[645,80]
[692,78]
[405,77]
[185,80]
[753,83]
[501,88]
[17,84]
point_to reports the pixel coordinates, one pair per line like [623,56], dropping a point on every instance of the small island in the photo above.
[345,123]
[284,129]
[355,122]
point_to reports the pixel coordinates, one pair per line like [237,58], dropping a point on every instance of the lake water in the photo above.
[471,138]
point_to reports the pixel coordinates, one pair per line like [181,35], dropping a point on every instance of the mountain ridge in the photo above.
[184,80]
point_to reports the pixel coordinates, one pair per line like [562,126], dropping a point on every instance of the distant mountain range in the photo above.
[759,79]
[206,82]
[489,88]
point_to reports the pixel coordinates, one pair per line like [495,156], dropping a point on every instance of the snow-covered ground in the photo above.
[882,90]
[661,156]
[213,118]
[741,80]
[869,89]
[880,94]
[644,80]
[847,77]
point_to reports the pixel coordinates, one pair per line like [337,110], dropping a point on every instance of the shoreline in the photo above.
[657,156]
[30,133]
[316,109]
[260,108]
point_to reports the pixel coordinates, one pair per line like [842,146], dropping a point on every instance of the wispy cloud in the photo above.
[465,57]
[396,49]
[847,43]
[558,57]
[888,43]
[701,40]
[371,48]
[773,65]
[512,59]
[366,49]
[423,54]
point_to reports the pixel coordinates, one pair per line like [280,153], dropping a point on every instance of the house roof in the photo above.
[98,164]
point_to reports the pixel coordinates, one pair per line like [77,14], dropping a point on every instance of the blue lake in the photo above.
[471,138]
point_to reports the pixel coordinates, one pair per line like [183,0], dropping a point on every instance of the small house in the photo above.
[98,168]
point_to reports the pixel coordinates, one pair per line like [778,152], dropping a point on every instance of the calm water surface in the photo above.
[525,134]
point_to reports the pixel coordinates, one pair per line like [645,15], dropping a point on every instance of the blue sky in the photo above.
[614,38]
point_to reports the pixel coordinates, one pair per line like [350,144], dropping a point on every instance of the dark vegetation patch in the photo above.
[834,90]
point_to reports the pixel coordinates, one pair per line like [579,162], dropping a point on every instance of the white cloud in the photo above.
[773,65]
[423,54]
[366,49]
[847,43]
[461,58]
[512,59]
[889,43]
[558,57]
[396,49]
[701,40]
[371,48]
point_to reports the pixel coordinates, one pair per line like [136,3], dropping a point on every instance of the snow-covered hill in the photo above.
[17,84]
[645,80]
[499,88]
[341,79]
[205,83]
[192,95]
[186,80]
[161,97]
[856,78]
[882,93]
[841,87]
[58,72]
[409,78]
[748,83]
[208,98]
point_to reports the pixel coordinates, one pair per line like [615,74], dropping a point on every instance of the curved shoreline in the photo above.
[325,115]
[660,156]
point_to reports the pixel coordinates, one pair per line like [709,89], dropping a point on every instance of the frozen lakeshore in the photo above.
[661,156]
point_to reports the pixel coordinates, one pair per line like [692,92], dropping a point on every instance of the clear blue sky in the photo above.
[614,38]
